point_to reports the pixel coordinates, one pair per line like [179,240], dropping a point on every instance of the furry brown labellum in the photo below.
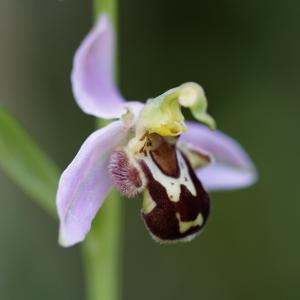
[175,204]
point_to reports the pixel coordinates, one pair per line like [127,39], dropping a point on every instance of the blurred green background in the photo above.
[246,56]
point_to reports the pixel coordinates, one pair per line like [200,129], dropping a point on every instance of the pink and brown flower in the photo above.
[149,150]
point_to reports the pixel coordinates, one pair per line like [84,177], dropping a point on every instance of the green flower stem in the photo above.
[106,6]
[102,252]
[102,249]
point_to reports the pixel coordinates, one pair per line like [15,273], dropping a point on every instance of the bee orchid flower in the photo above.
[147,149]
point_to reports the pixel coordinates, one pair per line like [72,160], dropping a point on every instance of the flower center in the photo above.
[175,205]
[162,116]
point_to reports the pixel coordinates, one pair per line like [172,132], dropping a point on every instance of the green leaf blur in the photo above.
[26,163]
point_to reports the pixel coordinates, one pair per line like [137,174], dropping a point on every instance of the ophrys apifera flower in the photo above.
[150,150]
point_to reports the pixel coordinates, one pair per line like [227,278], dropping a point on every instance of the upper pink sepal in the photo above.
[85,183]
[231,168]
[92,75]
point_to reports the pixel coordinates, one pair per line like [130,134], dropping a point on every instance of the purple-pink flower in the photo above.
[148,150]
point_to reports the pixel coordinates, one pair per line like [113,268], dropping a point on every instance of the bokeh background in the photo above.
[246,55]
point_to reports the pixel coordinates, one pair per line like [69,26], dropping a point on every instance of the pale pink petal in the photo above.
[232,168]
[85,183]
[92,75]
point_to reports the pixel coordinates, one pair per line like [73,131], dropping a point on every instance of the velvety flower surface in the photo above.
[148,150]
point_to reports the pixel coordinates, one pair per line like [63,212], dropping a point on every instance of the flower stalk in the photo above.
[102,248]
[106,6]
[101,252]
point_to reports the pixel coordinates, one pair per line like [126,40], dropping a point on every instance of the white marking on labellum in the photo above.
[148,203]
[172,184]
[185,226]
